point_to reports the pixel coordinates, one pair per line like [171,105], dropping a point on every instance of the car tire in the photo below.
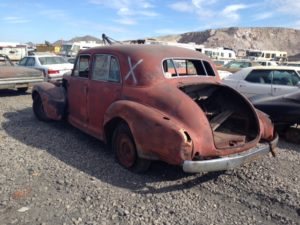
[124,148]
[38,108]
[22,90]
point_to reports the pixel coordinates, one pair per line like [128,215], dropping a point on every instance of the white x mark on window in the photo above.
[131,70]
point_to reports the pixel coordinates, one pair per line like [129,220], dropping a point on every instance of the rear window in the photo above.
[187,67]
[49,60]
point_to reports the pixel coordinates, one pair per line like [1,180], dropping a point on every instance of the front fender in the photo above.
[54,99]
[156,135]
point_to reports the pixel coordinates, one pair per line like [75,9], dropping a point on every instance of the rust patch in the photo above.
[22,193]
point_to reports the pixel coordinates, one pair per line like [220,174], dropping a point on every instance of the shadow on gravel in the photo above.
[91,156]
[11,93]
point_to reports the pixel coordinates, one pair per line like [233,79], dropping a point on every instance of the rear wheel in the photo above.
[38,108]
[22,90]
[125,150]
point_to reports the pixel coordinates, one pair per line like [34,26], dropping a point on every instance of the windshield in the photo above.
[52,60]
[5,62]
[254,54]
[66,47]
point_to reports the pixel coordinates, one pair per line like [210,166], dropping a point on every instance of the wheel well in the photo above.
[34,93]
[110,128]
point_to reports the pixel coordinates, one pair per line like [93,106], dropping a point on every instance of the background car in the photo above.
[53,66]
[21,78]
[237,65]
[284,110]
[267,63]
[272,81]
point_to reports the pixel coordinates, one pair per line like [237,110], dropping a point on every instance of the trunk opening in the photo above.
[232,120]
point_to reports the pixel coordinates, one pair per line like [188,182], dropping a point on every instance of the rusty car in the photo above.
[20,78]
[152,102]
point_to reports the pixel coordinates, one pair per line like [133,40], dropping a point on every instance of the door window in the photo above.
[23,61]
[82,66]
[114,71]
[285,77]
[106,68]
[260,76]
[101,67]
[30,61]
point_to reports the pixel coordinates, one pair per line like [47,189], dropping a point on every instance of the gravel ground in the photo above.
[52,173]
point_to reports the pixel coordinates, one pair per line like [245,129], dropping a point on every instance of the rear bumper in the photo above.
[19,82]
[229,162]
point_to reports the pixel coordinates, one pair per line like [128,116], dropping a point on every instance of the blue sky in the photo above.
[38,20]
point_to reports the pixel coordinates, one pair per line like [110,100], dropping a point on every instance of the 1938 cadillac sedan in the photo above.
[157,103]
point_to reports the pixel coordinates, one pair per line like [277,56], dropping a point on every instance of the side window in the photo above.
[285,77]
[208,68]
[114,70]
[23,61]
[82,66]
[169,68]
[260,76]
[30,61]
[101,67]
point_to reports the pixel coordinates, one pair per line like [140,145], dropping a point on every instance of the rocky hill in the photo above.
[283,39]
[83,38]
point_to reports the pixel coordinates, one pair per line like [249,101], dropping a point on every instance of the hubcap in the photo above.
[126,151]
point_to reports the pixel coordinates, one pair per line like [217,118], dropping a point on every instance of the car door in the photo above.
[257,82]
[104,89]
[77,92]
[284,82]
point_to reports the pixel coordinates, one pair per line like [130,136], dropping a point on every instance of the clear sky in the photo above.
[40,20]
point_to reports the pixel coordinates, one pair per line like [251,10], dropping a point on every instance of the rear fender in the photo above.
[266,126]
[54,99]
[157,136]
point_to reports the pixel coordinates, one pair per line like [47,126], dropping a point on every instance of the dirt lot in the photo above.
[51,173]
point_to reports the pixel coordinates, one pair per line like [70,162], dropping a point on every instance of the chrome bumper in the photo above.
[229,162]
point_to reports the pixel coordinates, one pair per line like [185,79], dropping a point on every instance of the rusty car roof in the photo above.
[146,61]
[157,51]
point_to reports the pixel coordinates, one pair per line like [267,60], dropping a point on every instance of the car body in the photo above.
[154,102]
[272,81]
[236,65]
[20,78]
[293,64]
[267,63]
[53,66]
[284,110]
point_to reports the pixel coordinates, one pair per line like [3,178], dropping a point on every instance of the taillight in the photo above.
[52,71]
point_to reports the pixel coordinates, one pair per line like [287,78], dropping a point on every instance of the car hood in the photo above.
[18,71]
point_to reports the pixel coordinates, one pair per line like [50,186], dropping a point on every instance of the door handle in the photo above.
[85,89]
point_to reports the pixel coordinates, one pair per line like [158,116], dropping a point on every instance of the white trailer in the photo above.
[15,51]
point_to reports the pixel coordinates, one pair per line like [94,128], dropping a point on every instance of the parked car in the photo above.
[293,64]
[53,66]
[284,110]
[20,78]
[237,65]
[267,63]
[154,102]
[272,81]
